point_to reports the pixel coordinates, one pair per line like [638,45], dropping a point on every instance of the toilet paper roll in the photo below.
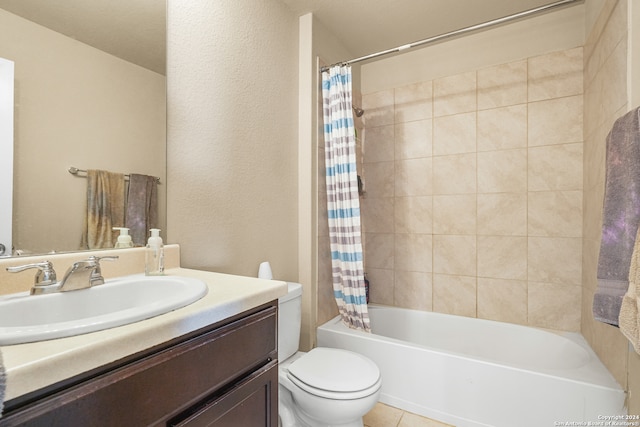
[264,272]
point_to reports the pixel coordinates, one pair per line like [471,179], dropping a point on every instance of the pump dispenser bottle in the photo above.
[154,255]
[124,239]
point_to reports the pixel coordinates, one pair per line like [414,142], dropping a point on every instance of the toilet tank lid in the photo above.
[294,290]
[335,370]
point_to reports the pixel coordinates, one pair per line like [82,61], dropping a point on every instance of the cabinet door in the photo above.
[252,402]
[151,391]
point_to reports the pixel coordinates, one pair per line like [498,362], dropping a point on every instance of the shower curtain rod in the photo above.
[459,32]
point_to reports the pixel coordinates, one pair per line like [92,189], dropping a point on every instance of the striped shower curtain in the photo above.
[342,198]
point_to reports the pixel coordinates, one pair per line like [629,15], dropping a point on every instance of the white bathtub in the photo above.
[473,372]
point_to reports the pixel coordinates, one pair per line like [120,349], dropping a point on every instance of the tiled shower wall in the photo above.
[605,82]
[473,201]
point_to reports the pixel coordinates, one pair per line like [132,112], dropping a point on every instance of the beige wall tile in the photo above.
[413,177]
[413,252]
[503,171]
[378,144]
[502,300]
[555,213]
[455,255]
[413,290]
[377,214]
[454,214]
[413,139]
[501,85]
[502,214]
[454,94]
[454,134]
[414,102]
[485,185]
[379,107]
[551,306]
[634,380]
[555,167]
[555,260]
[454,295]
[555,74]
[556,121]
[502,257]
[380,252]
[380,286]
[595,154]
[502,128]
[613,78]
[414,214]
[378,179]
[455,174]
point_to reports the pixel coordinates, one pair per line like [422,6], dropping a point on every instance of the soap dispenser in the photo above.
[124,239]
[154,255]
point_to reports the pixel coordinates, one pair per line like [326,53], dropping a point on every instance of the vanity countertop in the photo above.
[32,366]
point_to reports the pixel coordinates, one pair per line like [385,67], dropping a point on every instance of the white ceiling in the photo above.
[136,30]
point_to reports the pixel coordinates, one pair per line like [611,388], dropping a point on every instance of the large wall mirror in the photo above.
[90,92]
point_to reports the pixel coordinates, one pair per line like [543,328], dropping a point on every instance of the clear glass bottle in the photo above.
[154,255]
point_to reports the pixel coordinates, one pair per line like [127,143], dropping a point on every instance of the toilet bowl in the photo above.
[325,387]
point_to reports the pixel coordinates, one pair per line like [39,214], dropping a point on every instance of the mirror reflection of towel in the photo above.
[142,207]
[105,209]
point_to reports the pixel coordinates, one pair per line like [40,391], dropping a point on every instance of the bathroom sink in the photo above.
[28,318]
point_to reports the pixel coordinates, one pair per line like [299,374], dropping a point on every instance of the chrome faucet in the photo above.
[84,274]
[45,280]
[81,275]
[78,276]
[96,276]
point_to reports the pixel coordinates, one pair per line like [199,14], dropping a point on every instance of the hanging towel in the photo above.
[3,383]
[621,216]
[142,207]
[629,319]
[105,209]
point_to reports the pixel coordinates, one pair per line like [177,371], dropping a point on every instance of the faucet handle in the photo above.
[99,258]
[45,276]
[96,276]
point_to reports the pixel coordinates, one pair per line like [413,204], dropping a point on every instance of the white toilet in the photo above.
[325,387]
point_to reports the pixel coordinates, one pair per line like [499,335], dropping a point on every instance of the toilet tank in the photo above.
[289,320]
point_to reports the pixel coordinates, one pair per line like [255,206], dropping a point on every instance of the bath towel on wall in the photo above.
[105,209]
[142,207]
[620,218]
[3,382]
[629,319]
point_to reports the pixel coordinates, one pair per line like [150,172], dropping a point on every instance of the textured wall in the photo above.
[232,141]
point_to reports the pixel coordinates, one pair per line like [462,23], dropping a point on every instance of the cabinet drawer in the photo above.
[156,388]
[251,402]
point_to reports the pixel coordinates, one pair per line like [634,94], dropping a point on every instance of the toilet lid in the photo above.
[334,370]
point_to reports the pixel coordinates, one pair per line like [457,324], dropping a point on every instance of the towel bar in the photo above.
[75,171]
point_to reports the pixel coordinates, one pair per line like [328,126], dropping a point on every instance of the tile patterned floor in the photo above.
[387,416]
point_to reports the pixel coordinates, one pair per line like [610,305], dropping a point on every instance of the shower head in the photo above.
[359,111]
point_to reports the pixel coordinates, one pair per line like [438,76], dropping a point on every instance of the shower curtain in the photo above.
[343,204]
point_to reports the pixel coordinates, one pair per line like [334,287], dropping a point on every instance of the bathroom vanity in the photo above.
[213,363]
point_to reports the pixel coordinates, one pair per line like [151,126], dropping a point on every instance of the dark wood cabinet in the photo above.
[224,375]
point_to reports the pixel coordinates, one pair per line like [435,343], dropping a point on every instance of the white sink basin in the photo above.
[27,318]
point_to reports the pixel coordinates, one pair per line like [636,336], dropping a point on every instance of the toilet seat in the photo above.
[335,374]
